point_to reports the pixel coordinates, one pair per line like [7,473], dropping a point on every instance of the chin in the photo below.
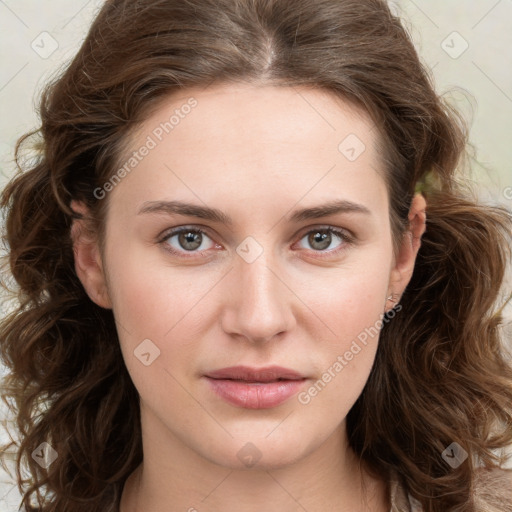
[257,454]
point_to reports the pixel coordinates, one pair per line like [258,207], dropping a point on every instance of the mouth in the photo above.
[259,381]
[256,375]
[251,388]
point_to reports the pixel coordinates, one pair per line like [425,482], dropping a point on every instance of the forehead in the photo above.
[243,140]
[234,111]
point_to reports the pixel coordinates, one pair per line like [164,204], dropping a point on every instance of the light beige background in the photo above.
[39,36]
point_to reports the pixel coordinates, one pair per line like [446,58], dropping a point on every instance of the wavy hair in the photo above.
[441,365]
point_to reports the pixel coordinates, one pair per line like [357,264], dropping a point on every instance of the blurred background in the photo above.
[466,45]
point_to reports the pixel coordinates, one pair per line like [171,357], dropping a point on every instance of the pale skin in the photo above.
[257,153]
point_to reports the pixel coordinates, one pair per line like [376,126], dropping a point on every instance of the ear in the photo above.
[88,264]
[403,268]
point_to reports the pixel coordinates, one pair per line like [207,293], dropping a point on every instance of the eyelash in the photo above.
[342,234]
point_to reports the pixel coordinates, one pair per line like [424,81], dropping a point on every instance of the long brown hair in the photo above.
[440,374]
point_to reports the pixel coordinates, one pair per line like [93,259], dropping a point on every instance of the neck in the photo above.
[184,481]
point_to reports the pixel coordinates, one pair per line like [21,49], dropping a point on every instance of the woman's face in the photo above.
[270,287]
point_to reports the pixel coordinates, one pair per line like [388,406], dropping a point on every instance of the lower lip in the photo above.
[255,395]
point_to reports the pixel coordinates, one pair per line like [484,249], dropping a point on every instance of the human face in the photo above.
[263,290]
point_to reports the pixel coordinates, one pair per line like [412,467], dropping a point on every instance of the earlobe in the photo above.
[88,264]
[402,272]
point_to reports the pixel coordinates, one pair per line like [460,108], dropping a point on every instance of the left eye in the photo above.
[190,240]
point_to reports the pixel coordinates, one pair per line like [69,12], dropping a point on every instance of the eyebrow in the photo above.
[215,215]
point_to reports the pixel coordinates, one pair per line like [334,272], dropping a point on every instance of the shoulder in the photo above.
[493,490]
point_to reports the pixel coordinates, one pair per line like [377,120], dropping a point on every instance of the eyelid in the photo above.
[327,227]
[167,233]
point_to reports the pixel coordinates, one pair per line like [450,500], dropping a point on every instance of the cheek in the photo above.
[149,296]
[353,312]
[160,310]
[351,299]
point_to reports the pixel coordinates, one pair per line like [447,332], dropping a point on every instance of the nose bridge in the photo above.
[259,282]
[261,300]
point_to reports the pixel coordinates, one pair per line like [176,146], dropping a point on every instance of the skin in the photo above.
[257,154]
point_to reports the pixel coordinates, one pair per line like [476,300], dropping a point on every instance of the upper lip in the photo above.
[266,374]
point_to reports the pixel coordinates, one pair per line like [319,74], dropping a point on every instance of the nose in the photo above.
[261,303]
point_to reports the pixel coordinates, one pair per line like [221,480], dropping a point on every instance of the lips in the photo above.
[248,374]
[255,388]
